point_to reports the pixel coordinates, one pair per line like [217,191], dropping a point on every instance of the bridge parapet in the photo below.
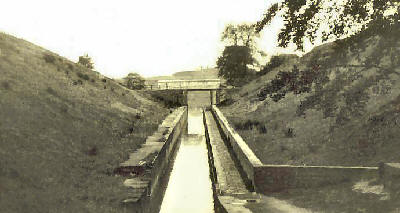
[197,84]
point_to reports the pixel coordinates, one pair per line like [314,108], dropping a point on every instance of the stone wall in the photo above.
[390,177]
[146,188]
[245,156]
[277,178]
[172,132]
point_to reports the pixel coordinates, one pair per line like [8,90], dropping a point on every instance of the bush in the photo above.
[86,61]
[170,98]
[70,66]
[263,129]
[78,82]
[289,133]
[134,81]
[83,76]
[5,85]
[226,102]
[247,125]
[49,58]
[275,62]
[295,81]
[51,91]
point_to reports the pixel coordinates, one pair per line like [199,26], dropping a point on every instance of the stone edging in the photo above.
[147,168]
[276,178]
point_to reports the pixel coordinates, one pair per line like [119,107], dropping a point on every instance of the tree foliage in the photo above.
[309,19]
[240,35]
[295,81]
[275,62]
[134,81]
[233,64]
[86,61]
[237,56]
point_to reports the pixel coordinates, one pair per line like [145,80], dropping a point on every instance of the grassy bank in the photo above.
[63,129]
[336,105]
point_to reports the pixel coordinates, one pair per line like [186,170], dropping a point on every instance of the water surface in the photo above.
[190,189]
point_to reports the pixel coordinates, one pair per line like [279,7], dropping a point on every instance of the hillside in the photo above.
[340,105]
[187,75]
[63,129]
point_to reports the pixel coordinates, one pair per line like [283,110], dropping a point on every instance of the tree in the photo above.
[233,64]
[240,35]
[134,81]
[230,34]
[86,61]
[237,56]
[307,19]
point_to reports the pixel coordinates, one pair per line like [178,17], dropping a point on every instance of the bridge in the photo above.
[204,89]
[195,84]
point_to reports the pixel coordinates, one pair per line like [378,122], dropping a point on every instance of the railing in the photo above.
[200,84]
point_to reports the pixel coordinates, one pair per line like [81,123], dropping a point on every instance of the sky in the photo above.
[150,37]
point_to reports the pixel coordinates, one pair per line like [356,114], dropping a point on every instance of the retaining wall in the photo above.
[247,159]
[164,157]
[390,177]
[277,178]
[147,189]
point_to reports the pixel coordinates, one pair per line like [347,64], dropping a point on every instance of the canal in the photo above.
[189,188]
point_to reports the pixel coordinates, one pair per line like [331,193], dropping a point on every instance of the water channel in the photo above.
[189,188]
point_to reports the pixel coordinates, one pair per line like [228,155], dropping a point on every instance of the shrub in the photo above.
[78,82]
[83,76]
[226,102]
[275,62]
[263,129]
[51,91]
[247,125]
[92,151]
[289,133]
[295,81]
[278,96]
[134,81]
[5,85]
[49,58]
[70,66]
[86,61]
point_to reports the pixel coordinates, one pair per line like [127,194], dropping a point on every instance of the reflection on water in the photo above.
[195,121]
[189,189]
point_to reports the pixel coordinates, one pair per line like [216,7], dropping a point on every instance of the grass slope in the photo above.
[351,116]
[63,129]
